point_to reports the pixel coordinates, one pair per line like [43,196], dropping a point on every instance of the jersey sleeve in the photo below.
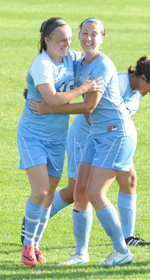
[41,72]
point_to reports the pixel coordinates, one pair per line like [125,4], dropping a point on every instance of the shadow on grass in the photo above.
[52,271]
[18,247]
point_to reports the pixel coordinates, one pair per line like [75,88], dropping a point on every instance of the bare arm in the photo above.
[87,118]
[41,107]
[59,98]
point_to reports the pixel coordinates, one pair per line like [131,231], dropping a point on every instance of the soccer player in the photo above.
[42,139]
[108,150]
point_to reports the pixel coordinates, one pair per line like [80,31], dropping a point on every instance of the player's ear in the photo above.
[101,39]
[142,79]
[46,40]
[79,36]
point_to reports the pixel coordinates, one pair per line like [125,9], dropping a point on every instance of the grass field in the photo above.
[127,39]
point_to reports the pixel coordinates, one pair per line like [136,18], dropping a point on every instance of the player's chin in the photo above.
[65,52]
[144,94]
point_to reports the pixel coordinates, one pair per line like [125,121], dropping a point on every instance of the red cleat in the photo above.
[28,255]
[39,256]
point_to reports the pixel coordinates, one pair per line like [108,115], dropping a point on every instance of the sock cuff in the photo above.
[107,209]
[83,214]
[126,200]
[34,208]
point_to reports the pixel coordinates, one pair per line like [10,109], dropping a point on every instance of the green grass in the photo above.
[127,38]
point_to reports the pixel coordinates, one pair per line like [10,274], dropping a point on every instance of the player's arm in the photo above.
[54,98]
[87,115]
[91,101]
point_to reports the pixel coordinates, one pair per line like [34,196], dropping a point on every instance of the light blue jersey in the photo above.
[43,69]
[131,98]
[110,114]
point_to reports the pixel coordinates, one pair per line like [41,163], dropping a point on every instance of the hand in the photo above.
[93,85]
[40,107]
[25,92]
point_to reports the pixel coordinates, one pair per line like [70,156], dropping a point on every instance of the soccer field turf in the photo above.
[127,39]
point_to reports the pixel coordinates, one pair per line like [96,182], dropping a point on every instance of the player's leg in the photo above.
[33,160]
[82,213]
[82,217]
[63,198]
[55,162]
[53,182]
[39,182]
[127,206]
[99,182]
[67,193]
[55,154]
[127,200]
[112,154]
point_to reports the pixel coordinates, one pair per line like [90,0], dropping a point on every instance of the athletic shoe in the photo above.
[136,241]
[115,258]
[39,255]
[28,255]
[75,259]
[23,230]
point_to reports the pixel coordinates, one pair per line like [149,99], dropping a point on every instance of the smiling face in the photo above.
[59,42]
[91,37]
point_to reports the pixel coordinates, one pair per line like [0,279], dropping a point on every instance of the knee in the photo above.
[129,186]
[69,199]
[67,195]
[39,196]
[43,193]
[132,183]
[133,180]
